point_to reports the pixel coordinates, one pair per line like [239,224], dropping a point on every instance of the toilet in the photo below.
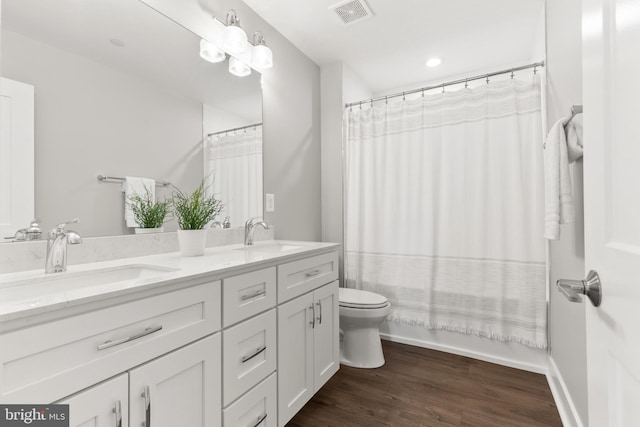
[361,314]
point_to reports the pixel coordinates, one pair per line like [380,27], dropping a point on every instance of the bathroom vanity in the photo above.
[243,336]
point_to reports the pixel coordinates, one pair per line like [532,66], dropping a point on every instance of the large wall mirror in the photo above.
[121,90]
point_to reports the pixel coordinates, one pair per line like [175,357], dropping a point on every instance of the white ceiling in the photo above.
[390,49]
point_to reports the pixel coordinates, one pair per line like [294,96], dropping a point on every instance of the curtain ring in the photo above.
[361,105]
[443,88]
[351,108]
[403,97]
[386,100]
[512,74]
[423,92]
[371,102]
[535,70]
[487,78]
[466,83]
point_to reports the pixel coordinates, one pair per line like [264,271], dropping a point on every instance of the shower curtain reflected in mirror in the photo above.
[233,172]
[444,210]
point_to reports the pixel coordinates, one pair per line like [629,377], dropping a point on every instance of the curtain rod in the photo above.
[235,129]
[535,65]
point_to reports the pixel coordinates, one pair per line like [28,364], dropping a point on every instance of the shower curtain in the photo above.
[233,171]
[444,210]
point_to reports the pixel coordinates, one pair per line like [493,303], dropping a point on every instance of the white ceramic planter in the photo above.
[149,230]
[192,242]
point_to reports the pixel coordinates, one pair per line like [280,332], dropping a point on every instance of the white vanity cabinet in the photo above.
[246,345]
[103,405]
[163,341]
[179,388]
[308,332]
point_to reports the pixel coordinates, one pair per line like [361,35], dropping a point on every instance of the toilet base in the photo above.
[361,348]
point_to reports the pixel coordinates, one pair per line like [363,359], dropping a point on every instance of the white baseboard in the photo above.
[487,357]
[564,403]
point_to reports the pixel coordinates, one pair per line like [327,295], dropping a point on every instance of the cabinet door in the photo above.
[182,388]
[295,356]
[326,338]
[103,405]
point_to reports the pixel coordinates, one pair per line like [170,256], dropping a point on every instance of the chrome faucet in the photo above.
[57,242]
[250,228]
[33,232]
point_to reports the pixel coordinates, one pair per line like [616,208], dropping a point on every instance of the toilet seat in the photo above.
[355,298]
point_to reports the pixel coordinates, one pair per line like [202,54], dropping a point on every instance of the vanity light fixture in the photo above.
[238,68]
[261,56]
[210,52]
[234,39]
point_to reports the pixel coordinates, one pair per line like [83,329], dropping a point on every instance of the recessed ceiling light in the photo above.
[434,62]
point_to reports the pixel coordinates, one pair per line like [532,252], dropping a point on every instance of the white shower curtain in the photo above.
[233,171]
[444,210]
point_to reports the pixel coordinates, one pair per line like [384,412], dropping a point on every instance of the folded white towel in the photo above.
[135,185]
[563,146]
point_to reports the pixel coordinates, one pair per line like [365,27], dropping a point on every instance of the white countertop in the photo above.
[31,293]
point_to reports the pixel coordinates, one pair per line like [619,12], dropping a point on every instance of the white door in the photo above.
[326,335]
[104,405]
[295,356]
[16,156]
[182,388]
[611,72]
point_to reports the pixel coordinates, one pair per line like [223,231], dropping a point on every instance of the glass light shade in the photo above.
[261,57]
[210,52]
[234,40]
[238,68]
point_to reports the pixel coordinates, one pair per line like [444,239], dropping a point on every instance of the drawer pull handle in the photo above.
[147,406]
[260,420]
[251,356]
[319,303]
[253,295]
[113,343]
[312,273]
[117,409]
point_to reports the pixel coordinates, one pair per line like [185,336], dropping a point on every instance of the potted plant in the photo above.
[148,213]
[193,212]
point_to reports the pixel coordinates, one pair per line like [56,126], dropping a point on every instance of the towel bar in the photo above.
[103,178]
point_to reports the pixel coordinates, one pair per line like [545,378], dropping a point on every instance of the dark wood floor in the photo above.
[421,387]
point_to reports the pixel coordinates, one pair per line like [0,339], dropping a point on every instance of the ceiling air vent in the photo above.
[352,11]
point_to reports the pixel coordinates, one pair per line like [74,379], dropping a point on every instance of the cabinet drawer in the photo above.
[46,362]
[299,277]
[248,355]
[248,294]
[257,408]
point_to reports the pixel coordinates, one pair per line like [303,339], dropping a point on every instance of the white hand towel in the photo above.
[563,146]
[134,185]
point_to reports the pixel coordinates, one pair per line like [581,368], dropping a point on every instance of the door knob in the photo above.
[574,289]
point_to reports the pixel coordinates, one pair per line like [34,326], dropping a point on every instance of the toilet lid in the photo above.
[356,298]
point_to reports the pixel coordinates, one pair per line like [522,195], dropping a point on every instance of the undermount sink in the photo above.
[72,280]
[266,248]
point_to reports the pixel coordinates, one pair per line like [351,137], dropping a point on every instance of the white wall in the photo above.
[567,320]
[118,125]
[339,86]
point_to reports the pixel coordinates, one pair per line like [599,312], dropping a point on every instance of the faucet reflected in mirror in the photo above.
[57,241]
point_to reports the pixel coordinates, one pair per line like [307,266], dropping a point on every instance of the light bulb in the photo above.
[238,68]
[210,52]
[261,57]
